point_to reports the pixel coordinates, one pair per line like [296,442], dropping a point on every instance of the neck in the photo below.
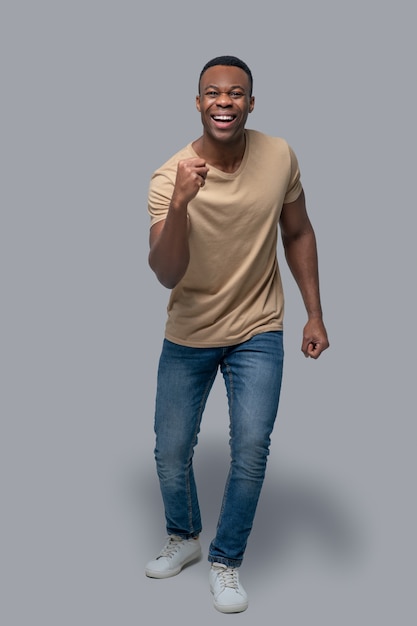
[224,157]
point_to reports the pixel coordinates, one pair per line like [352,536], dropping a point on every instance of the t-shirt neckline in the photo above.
[227,174]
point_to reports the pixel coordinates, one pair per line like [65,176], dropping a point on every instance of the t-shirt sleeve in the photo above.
[294,186]
[160,192]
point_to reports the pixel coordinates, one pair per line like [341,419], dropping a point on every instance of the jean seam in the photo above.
[228,372]
[193,444]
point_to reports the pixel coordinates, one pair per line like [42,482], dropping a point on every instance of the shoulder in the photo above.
[163,178]
[257,137]
[265,148]
[262,141]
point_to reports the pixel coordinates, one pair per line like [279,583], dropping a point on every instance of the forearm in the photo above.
[169,253]
[301,256]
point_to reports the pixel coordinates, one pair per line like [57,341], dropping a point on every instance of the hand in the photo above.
[315,339]
[191,176]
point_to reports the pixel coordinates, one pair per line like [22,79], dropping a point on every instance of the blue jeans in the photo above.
[252,372]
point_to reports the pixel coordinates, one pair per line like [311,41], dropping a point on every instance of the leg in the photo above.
[253,374]
[185,377]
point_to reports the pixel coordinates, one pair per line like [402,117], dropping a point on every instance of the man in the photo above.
[215,207]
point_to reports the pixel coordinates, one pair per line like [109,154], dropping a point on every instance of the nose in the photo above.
[224,99]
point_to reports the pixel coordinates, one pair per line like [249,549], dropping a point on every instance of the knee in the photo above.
[251,458]
[173,460]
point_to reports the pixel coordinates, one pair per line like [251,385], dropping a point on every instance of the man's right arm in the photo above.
[169,250]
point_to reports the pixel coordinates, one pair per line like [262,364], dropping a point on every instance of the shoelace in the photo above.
[229,578]
[171,548]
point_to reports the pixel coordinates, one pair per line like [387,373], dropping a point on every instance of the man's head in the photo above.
[230,61]
[225,98]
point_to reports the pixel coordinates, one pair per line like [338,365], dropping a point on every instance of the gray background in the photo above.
[95,95]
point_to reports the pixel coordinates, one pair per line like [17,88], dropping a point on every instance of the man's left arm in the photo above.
[300,249]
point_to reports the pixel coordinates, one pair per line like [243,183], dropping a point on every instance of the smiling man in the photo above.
[215,209]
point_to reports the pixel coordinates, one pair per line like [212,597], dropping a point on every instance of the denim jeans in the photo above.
[252,372]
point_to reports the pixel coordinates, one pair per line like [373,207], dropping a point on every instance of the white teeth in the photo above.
[223,118]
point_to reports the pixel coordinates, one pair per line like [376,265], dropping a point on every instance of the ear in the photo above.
[197,103]
[251,104]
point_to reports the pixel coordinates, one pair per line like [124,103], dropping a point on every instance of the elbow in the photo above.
[167,281]
[170,265]
[168,277]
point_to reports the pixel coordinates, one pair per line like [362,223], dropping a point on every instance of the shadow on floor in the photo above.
[295,512]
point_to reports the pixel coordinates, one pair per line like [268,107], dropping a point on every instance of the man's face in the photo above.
[224,102]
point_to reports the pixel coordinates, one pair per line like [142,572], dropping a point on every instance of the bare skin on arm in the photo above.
[300,248]
[169,251]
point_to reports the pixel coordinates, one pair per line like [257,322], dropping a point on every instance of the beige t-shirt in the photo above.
[232,288]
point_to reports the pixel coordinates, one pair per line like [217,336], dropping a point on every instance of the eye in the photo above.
[236,94]
[211,94]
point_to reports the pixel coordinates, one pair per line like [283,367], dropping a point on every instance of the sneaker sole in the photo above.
[173,572]
[233,608]
[229,608]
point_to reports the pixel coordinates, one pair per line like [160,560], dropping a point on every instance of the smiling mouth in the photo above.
[223,118]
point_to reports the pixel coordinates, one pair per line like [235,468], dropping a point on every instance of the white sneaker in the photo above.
[176,553]
[229,595]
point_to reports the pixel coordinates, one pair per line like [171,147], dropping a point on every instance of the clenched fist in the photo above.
[191,176]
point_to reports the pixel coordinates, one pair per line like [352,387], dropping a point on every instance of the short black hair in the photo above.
[229,61]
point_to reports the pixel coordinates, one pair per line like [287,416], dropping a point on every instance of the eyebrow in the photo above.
[231,88]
